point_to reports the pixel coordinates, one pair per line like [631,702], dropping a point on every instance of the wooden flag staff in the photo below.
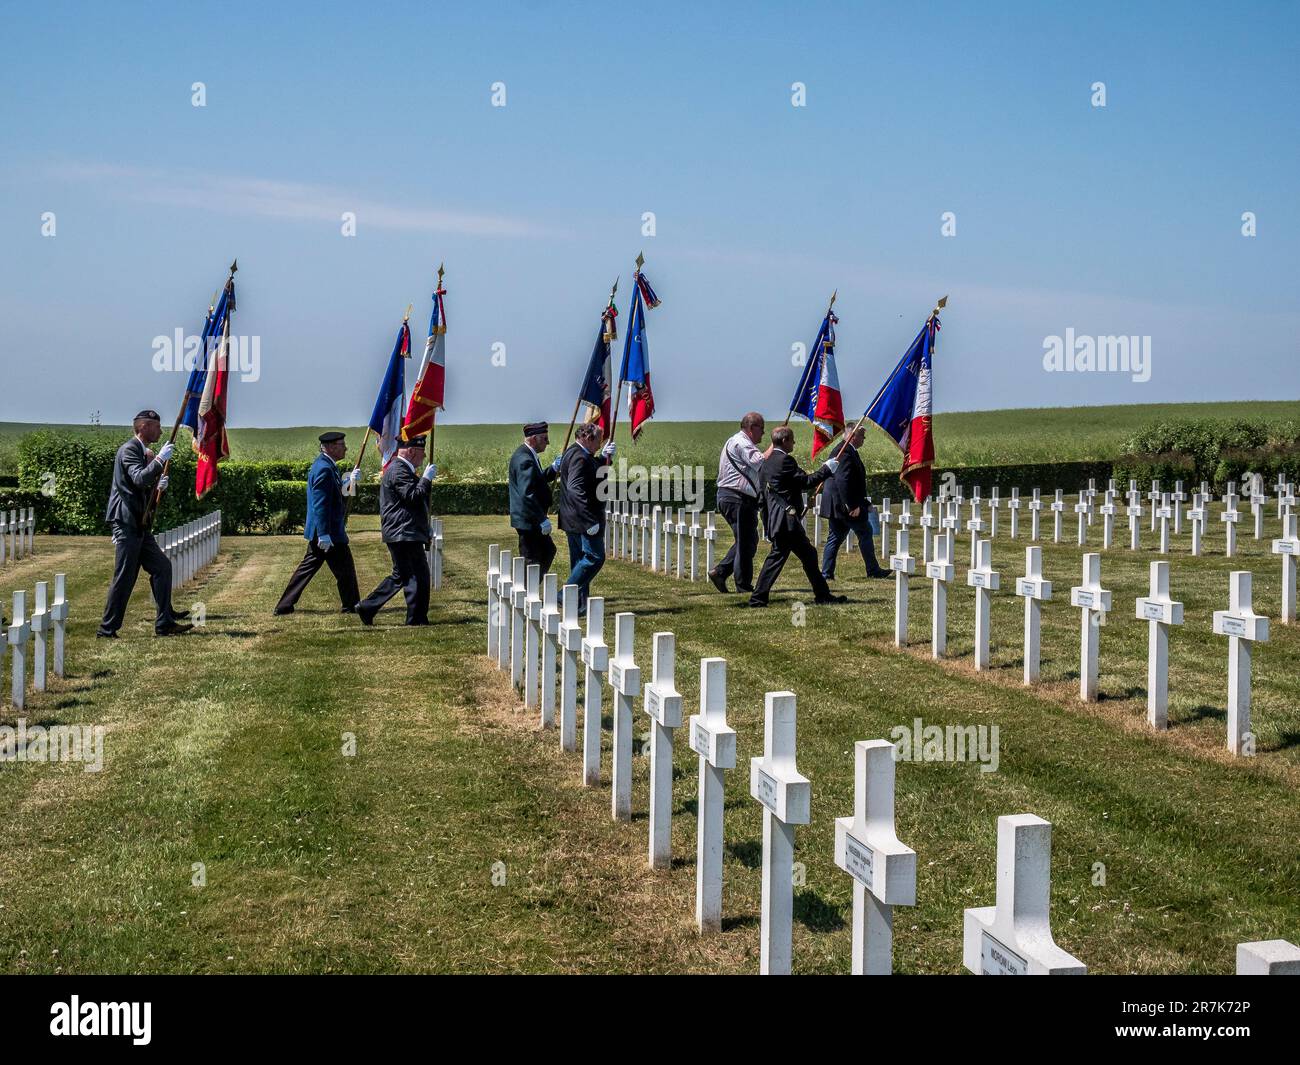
[154,499]
[578,403]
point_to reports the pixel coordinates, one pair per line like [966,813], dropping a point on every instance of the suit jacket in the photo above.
[135,473]
[530,495]
[580,508]
[784,484]
[847,488]
[325,515]
[403,505]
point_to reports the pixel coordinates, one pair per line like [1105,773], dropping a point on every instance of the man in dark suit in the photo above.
[582,512]
[783,484]
[847,508]
[325,532]
[530,496]
[136,472]
[404,520]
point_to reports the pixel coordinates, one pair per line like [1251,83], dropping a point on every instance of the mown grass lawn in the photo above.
[225,748]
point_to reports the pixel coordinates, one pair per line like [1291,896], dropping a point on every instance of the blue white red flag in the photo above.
[386,418]
[817,397]
[903,409]
[426,396]
[636,356]
[199,371]
[595,391]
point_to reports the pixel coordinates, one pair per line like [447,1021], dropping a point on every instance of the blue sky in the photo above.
[1117,220]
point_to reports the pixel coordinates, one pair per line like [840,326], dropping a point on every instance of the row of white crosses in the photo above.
[434,553]
[192,546]
[637,532]
[17,534]
[35,629]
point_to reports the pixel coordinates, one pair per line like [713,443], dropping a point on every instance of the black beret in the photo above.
[148,414]
[332,437]
[415,441]
[536,429]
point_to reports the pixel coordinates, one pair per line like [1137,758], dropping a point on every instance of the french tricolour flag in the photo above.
[386,418]
[902,408]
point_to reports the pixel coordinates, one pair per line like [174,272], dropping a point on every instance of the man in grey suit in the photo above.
[136,472]
[404,522]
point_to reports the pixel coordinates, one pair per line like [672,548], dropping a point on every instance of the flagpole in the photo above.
[829,307]
[578,403]
[361,454]
[154,500]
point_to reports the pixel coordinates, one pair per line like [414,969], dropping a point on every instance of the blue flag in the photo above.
[386,418]
[805,396]
[194,387]
[894,403]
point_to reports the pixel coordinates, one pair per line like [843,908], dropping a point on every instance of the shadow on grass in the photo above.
[749,854]
[815,913]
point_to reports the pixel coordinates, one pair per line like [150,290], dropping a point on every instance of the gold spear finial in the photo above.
[833,295]
[440,273]
[640,261]
[614,291]
[234,266]
[407,316]
[943,302]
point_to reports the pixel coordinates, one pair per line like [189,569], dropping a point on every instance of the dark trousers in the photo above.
[536,548]
[339,560]
[784,544]
[136,551]
[741,512]
[839,531]
[410,575]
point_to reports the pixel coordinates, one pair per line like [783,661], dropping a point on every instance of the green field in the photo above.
[224,748]
[973,438]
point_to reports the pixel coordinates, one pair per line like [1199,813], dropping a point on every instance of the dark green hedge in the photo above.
[1211,450]
[21,499]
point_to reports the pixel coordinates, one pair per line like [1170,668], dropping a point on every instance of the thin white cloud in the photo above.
[291,201]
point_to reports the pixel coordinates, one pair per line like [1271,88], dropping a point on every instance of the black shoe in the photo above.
[107,635]
[744,587]
[174,628]
[347,610]
[366,617]
[831,599]
[720,583]
[753,605]
[879,574]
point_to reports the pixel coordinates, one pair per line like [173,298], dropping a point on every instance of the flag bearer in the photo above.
[582,512]
[739,468]
[845,500]
[136,471]
[530,496]
[325,531]
[404,519]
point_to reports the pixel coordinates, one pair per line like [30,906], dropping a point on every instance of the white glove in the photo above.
[546,526]
[165,452]
[556,464]
[162,483]
[324,542]
[353,478]
[594,529]
[608,450]
[430,472]
[834,464]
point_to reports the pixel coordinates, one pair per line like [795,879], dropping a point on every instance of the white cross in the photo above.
[533,622]
[19,633]
[518,596]
[550,622]
[886,518]
[1035,591]
[435,554]
[1243,627]
[940,572]
[1179,497]
[903,565]
[715,742]
[595,656]
[1154,497]
[1035,514]
[13,536]
[1108,510]
[1058,510]
[663,704]
[1014,937]
[905,515]
[667,541]
[1134,520]
[995,505]
[816,511]
[1230,517]
[493,577]
[31,530]
[40,624]
[1083,509]
[503,610]
[1196,514]
[710,539]
[625,682]
[1159,611]
[59,613]
[1288,547]
[571,648]
[868,849]
[633,523]
[786,797]
[1268,957]
[695,542]
[655,525]
[1257,501]
[985,580]
[927,531]
[1279,490]
[1093,602]
[681,539]
[4,526]
[975,526]
[1164,513]
[1013,504]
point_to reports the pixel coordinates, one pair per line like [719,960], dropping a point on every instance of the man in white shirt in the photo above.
[739,469]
